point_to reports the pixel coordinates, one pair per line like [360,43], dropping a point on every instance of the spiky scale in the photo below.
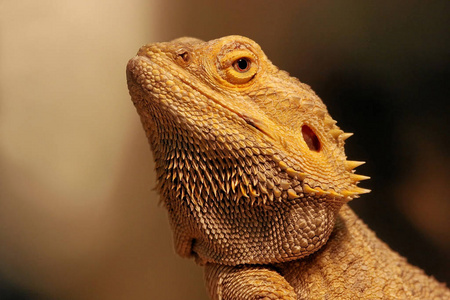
[262,188]
[333,193]
[282,165]
[276,158]
[284,184]
[348,193]
[291,172]
[357,177]
[335,133]
[276,192]
[352,164]
[309,190]
[346,135]
[292,194]
[361,190]
[253,192]
[329,122]
[295,174]
[243,191]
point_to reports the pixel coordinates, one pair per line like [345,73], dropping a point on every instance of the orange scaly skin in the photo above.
[252,170]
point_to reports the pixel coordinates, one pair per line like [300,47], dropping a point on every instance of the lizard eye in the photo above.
[239,66]
[242,65]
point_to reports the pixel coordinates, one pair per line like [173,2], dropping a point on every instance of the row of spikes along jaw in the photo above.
[190,167]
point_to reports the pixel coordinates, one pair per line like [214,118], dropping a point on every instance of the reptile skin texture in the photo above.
[252,171]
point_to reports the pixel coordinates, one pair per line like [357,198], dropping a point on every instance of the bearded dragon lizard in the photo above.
[252,170]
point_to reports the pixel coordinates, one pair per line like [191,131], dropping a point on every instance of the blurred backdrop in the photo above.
[78,216]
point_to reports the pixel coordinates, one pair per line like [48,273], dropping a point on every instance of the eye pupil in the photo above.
[242,65]
[239,66]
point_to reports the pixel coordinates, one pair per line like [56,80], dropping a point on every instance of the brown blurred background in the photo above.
[78,217]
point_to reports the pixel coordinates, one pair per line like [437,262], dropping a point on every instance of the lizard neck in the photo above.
[271,233]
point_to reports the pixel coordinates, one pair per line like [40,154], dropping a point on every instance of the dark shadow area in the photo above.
[9,292]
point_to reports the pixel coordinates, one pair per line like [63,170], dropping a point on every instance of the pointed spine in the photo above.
[352,164]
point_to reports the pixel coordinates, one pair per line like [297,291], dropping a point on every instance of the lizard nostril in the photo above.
[310,138]
[183,57]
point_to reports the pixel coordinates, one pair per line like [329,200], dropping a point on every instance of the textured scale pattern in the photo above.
[253,173]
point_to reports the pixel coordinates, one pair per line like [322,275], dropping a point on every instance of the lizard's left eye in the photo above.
[242,65]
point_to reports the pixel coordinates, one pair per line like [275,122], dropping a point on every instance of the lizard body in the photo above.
[252,170]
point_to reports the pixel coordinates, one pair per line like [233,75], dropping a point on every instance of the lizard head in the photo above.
[250,165]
